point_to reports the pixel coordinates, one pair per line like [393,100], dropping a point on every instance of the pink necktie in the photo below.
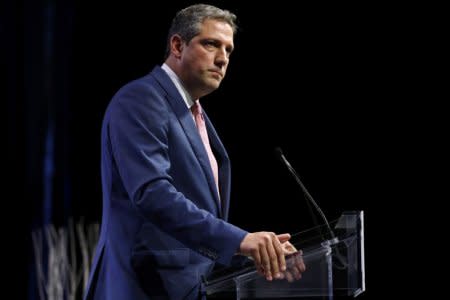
[201,126]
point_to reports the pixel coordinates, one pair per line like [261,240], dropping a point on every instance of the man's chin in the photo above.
[213,84]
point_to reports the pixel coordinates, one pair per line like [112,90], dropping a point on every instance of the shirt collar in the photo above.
[176,80]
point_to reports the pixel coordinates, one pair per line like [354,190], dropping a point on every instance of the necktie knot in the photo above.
[197,110]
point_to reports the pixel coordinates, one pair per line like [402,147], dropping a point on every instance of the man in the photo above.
[166,175]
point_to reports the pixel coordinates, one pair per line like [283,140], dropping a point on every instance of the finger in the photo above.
[296,273]
[256,257]
[288,248]
[273,251]
[257,260]
[283,237]
[279,252]
[292,248]
[273,248]
[265,262]
[290,261]
[289,276]
[300,264]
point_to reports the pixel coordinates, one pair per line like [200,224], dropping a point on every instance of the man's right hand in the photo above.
[266,250]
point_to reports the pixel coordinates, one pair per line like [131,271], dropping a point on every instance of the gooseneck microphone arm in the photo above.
[305,191]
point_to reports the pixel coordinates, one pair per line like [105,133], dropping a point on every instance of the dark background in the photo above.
[329,84]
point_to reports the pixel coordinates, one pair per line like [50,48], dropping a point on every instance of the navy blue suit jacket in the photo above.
[162,225]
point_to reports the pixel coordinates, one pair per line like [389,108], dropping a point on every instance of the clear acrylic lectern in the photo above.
[334,260]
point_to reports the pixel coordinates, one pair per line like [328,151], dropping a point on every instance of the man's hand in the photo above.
[295,265]
[267,252]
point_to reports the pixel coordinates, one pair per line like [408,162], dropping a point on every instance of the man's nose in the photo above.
[222,57]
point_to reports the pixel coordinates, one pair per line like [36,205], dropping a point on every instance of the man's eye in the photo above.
[210,44]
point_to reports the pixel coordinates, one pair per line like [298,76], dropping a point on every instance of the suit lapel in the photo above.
[185,117]
[224,165]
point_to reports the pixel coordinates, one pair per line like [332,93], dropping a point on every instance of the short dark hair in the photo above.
[187,22]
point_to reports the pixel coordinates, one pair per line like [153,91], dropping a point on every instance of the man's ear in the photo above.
[176,45]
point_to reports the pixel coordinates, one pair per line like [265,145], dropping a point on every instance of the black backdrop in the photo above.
[309,81]
[321,82]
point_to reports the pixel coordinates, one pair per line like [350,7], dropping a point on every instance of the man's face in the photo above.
[205,58]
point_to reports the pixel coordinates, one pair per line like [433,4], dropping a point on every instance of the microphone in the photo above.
[340,262]
[305,191]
